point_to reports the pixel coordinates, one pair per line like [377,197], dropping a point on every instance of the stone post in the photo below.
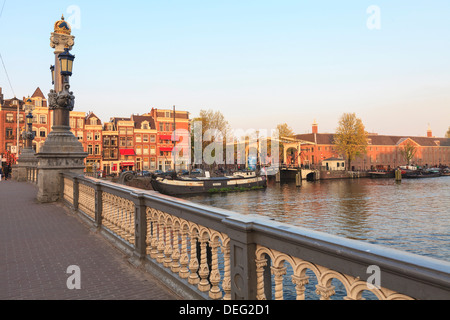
[61,151]
[27,158]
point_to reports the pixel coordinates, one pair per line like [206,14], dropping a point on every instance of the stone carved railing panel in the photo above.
[118,216]
[196,253]
[86,200]
[354,287]
[68,190]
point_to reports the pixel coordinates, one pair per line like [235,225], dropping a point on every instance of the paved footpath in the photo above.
[38,242]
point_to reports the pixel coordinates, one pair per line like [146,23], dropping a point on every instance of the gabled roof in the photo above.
[38,94]
[92,115]
[404,140]
[139,119]
[377,140]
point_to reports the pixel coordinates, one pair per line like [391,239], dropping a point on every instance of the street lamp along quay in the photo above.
[52,70]
[66,63]
[61,151]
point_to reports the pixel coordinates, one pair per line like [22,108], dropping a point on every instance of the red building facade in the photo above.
[383,151]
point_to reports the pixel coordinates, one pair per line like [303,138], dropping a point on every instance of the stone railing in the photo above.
[32,174]
[209,253]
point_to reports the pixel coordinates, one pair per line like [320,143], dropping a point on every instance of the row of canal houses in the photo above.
[144,142]
[139,143]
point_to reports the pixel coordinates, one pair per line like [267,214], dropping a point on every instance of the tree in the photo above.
[211,121]
[283,131]
[351,137]
[447,135]
[408,151]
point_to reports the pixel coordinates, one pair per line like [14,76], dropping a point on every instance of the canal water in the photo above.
[412,216]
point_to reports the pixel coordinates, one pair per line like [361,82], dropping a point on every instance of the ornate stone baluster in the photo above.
[279,272]
[161,244]
[184,258]
[204,269]
[168,247]
[193,264]
[260,265]
[131,210]
[215,292]
[226,284]
[300,283]
[148,240]
[154,242]
[325,292]
[176,249]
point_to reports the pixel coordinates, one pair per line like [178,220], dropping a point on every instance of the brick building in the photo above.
[12,120]
[93,142]
[166,121]
[383,151]
[138,143]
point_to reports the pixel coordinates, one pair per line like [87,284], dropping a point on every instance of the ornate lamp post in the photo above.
[52,70]
[27,158]
[61,151]
[28,134]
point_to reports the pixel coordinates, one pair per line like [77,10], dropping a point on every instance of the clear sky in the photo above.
[259,62]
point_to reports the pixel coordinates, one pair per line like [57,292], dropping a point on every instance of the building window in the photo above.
[123,142]
[43,119]
[97,149]
[93,121]
[146,150]
[9,117]
[21,118]
[129,131]
[138,138]
[97,136]
[153,138]
[89,149]
[42,133]
[106,141]
[139,150]
[80,123]
[145,137]
[113,141]
[161,127]
[89,136]
[152,150]
[9,133]
[73,123]
[122,131]
[129,141]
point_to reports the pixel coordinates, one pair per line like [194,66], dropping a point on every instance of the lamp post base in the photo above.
[61,152]
[26,160]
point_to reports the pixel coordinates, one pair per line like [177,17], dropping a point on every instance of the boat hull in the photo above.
[193,186]
[382,175]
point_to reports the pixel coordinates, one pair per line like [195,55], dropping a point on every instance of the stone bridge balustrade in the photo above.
[208,253]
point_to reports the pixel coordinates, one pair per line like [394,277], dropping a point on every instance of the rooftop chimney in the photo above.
[315,127]
[429,132]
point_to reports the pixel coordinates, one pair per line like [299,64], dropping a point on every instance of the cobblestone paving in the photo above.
[38,242]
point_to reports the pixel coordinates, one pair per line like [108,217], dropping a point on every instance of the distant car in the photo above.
[146,173]
[184,172]
[197,171]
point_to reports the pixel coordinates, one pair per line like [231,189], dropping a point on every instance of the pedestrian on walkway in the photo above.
[1,173]
[7,168]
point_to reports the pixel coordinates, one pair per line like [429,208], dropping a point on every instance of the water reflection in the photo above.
[411,216]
